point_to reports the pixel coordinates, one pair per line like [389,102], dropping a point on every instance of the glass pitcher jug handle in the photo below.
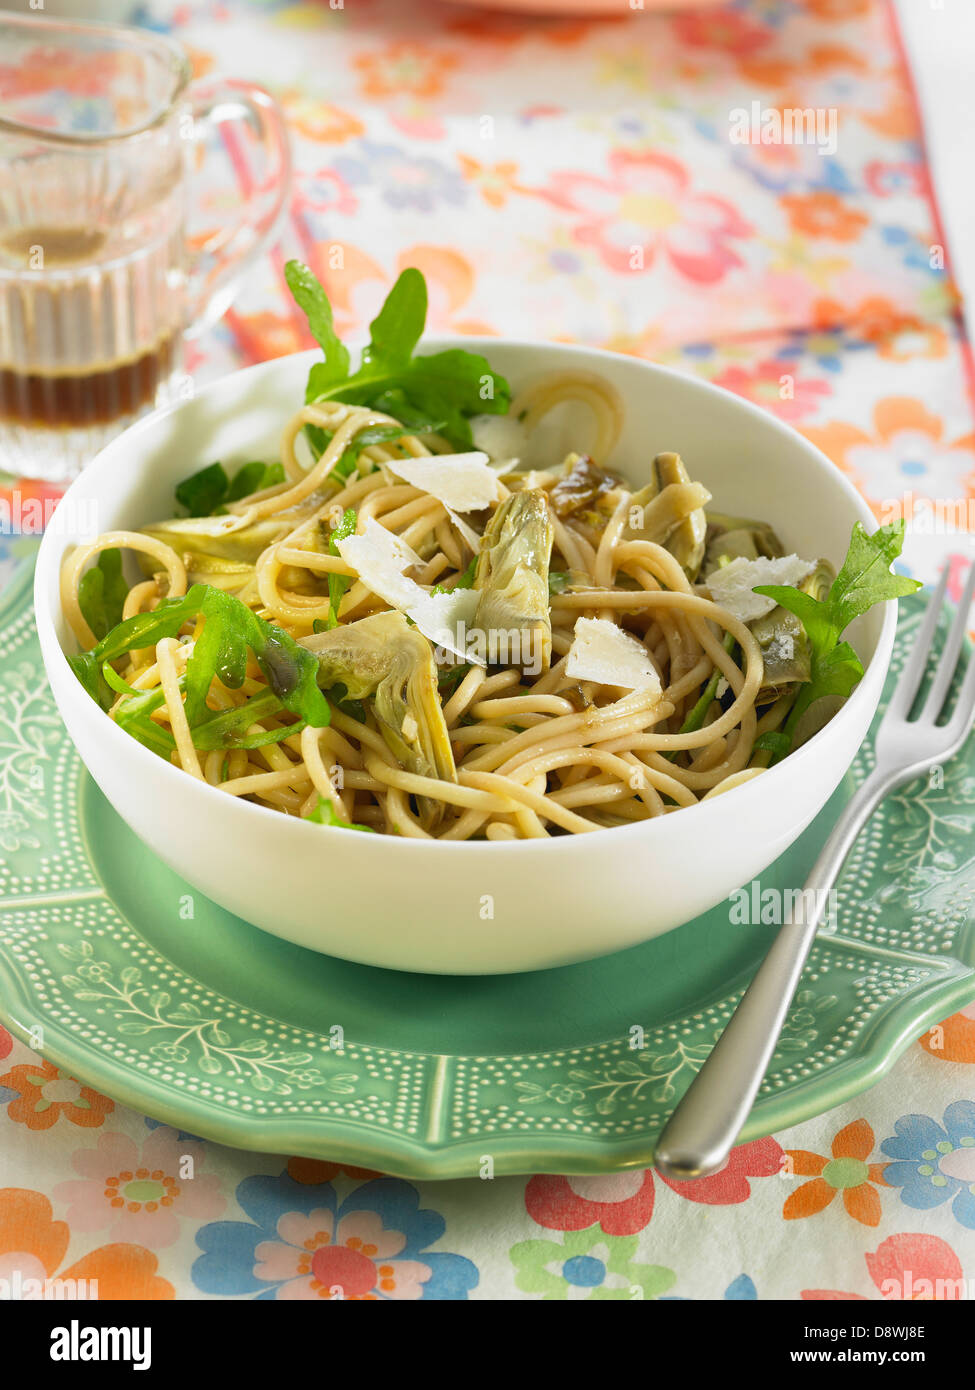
[252,129]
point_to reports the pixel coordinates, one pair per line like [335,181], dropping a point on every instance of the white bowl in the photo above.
[486,907]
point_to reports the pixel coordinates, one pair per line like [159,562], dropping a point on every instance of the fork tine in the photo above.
[913,673]
[949,656]
[961,721]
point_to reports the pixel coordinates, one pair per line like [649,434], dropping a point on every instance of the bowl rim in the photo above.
[46,587]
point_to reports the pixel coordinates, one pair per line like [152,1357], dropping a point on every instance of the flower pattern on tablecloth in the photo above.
[648,209]
[845,1172]
[587,1265]
[44,1096]
[905,450]
[954,1039]
[33,1246]
[934,1163]
[602,202]
[6,1046]
[302,1242]
[622,1203]
[140,1193]
[908,1267]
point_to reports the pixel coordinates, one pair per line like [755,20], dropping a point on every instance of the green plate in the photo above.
[151,993]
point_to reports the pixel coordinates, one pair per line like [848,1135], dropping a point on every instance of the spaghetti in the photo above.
[534,754]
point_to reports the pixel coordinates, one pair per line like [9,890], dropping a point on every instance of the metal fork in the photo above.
[701,1132]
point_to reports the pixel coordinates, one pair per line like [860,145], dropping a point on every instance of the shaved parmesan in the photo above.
[380,559]
[375,540]
[462,482]
[603,652]
[500,436]
[731,586]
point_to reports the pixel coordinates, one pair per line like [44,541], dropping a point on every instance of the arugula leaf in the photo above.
[696,717]
[774,741]
[313,302]
[254,477]
[113,679]
[102,593]
[376,434]
[445,387]
[338,694]
[398,327]
[134,715]
[393,402]
[202,492]
[228,728]
[450,677]
[206,492]
[338,583]
[89,673]
[864,579]
[325,814]
[229,630]
[465,581]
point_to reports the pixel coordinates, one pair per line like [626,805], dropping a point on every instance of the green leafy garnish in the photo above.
[313,302]
[696,717]
[228,729]
[865,579]
[558,581]
[135,717]
[376,434]
[337,583]
[102,593]
[445,387]
[450,677]
[254,477]
[207,492]
[338,694]
[325,814]
[774,741]
[230,629]
[463,581]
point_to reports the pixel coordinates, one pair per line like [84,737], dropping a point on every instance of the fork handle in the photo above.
[702,1130]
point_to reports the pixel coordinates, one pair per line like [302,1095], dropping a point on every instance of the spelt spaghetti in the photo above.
[534,754]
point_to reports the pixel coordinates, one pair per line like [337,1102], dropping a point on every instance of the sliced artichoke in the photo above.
[383,656]
[222,537]
[783,640]
[670,512]
[512,581]
[785,652]
[581,486]
[735,537]
[229,575]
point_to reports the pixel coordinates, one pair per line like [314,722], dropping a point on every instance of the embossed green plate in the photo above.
[154,995]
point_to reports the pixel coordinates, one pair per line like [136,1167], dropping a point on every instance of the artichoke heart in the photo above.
[783,640]
[785,652]
[736,537]
[220,537]
[383,656]
[512,582]
[670,512]
[229,575]
[582,485]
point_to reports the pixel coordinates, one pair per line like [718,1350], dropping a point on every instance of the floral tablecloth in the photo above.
[578,180]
